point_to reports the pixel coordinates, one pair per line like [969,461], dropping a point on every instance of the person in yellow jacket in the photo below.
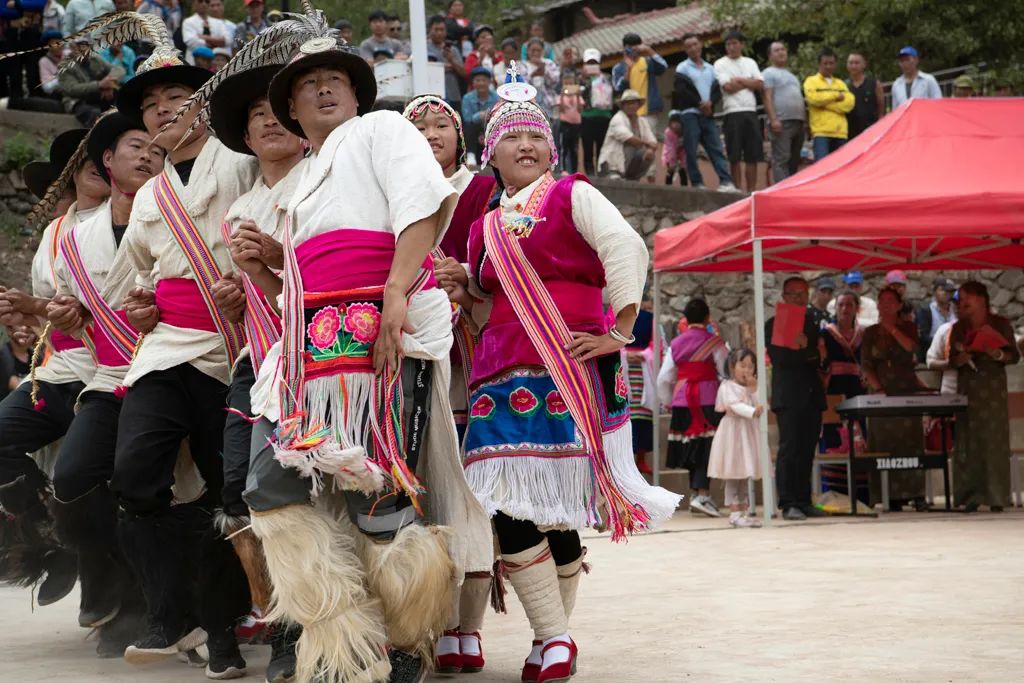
[828,101]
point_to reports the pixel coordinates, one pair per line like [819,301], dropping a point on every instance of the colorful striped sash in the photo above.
[200,259]
[122,336]
[262,328]
[55,248]
[550,336]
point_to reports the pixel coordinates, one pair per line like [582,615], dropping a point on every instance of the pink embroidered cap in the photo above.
[516,111]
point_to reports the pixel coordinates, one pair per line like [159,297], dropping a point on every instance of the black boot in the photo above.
[223,600]
[156,548]
[88,525]
[225,659]
[28,548]
[125,628]
[283,637]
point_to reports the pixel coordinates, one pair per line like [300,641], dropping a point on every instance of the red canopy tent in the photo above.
[937,184]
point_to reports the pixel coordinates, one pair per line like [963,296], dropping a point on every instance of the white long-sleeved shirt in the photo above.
[192,33]
[937,352]
[219,176]
[73,365]
[374,172]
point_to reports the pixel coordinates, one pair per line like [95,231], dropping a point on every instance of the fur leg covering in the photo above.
[535,579]
[317,582]
[250,553]
[568,583]
[476,593]
[412,576]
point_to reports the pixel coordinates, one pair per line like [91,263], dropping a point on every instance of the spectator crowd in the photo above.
[605,123]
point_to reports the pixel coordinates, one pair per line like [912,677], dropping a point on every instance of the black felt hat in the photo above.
[38,176]
[323,51]
[103,136]
[229,105]
[157,69]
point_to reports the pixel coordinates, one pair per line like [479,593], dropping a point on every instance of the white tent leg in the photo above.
[656,413]
[767,481]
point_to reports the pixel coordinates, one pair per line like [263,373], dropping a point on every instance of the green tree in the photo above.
[947,33]
[356,11]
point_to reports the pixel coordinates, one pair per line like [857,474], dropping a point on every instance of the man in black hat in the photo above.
[93,277]
[245,121]
[40,411]
[178,380]
[366,214]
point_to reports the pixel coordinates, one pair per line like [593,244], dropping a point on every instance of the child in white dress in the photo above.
[736,448]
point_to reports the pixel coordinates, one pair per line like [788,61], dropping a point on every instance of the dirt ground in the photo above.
[907,597]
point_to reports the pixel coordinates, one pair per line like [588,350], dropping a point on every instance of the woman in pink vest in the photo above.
[548,449]
[689,381]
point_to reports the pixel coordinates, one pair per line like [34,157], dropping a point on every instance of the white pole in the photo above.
[767,488]
[418,40]
[656,413]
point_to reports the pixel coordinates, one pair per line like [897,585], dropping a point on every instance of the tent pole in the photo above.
[656,413]
[418,41]
[767,487]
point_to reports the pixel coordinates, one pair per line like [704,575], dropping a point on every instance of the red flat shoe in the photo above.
[562,671]
[451,662]
[531,671]
[471,664]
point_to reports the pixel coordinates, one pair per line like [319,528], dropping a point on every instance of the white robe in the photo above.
[218,178]
[376,172]
[73,365]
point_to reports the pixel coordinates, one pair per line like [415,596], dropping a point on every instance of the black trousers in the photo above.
[568,140]
[798,441]
[23,429]
[86,457]
[472,132]
[163,408]
[592,130]
[517,535]
[237,437]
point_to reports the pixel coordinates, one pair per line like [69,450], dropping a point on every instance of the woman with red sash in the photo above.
[549,449]
[843,339]
[355,395]
[41,409]
[460,649]
[689,381]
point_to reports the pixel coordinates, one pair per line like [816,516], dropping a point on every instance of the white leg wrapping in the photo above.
[535,581]
[568,583]
[412,575]
[318,582]
[476,594]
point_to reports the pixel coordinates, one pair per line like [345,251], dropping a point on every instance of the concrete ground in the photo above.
[907,597]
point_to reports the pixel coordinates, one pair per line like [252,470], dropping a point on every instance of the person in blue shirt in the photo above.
[476,105]
[122,57]
[695,92]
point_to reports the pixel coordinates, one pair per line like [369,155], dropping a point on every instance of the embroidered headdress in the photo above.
[432,103]
[516,111]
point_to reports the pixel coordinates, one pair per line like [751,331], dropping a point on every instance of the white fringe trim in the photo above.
[659,503]
[557,492]
[343,403]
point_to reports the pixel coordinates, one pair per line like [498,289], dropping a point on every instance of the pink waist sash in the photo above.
[106,353]
[350,258]
[182,305]
[62,342]
[504,343]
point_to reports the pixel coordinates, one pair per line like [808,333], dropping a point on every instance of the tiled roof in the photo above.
[536,9]
[656,28]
